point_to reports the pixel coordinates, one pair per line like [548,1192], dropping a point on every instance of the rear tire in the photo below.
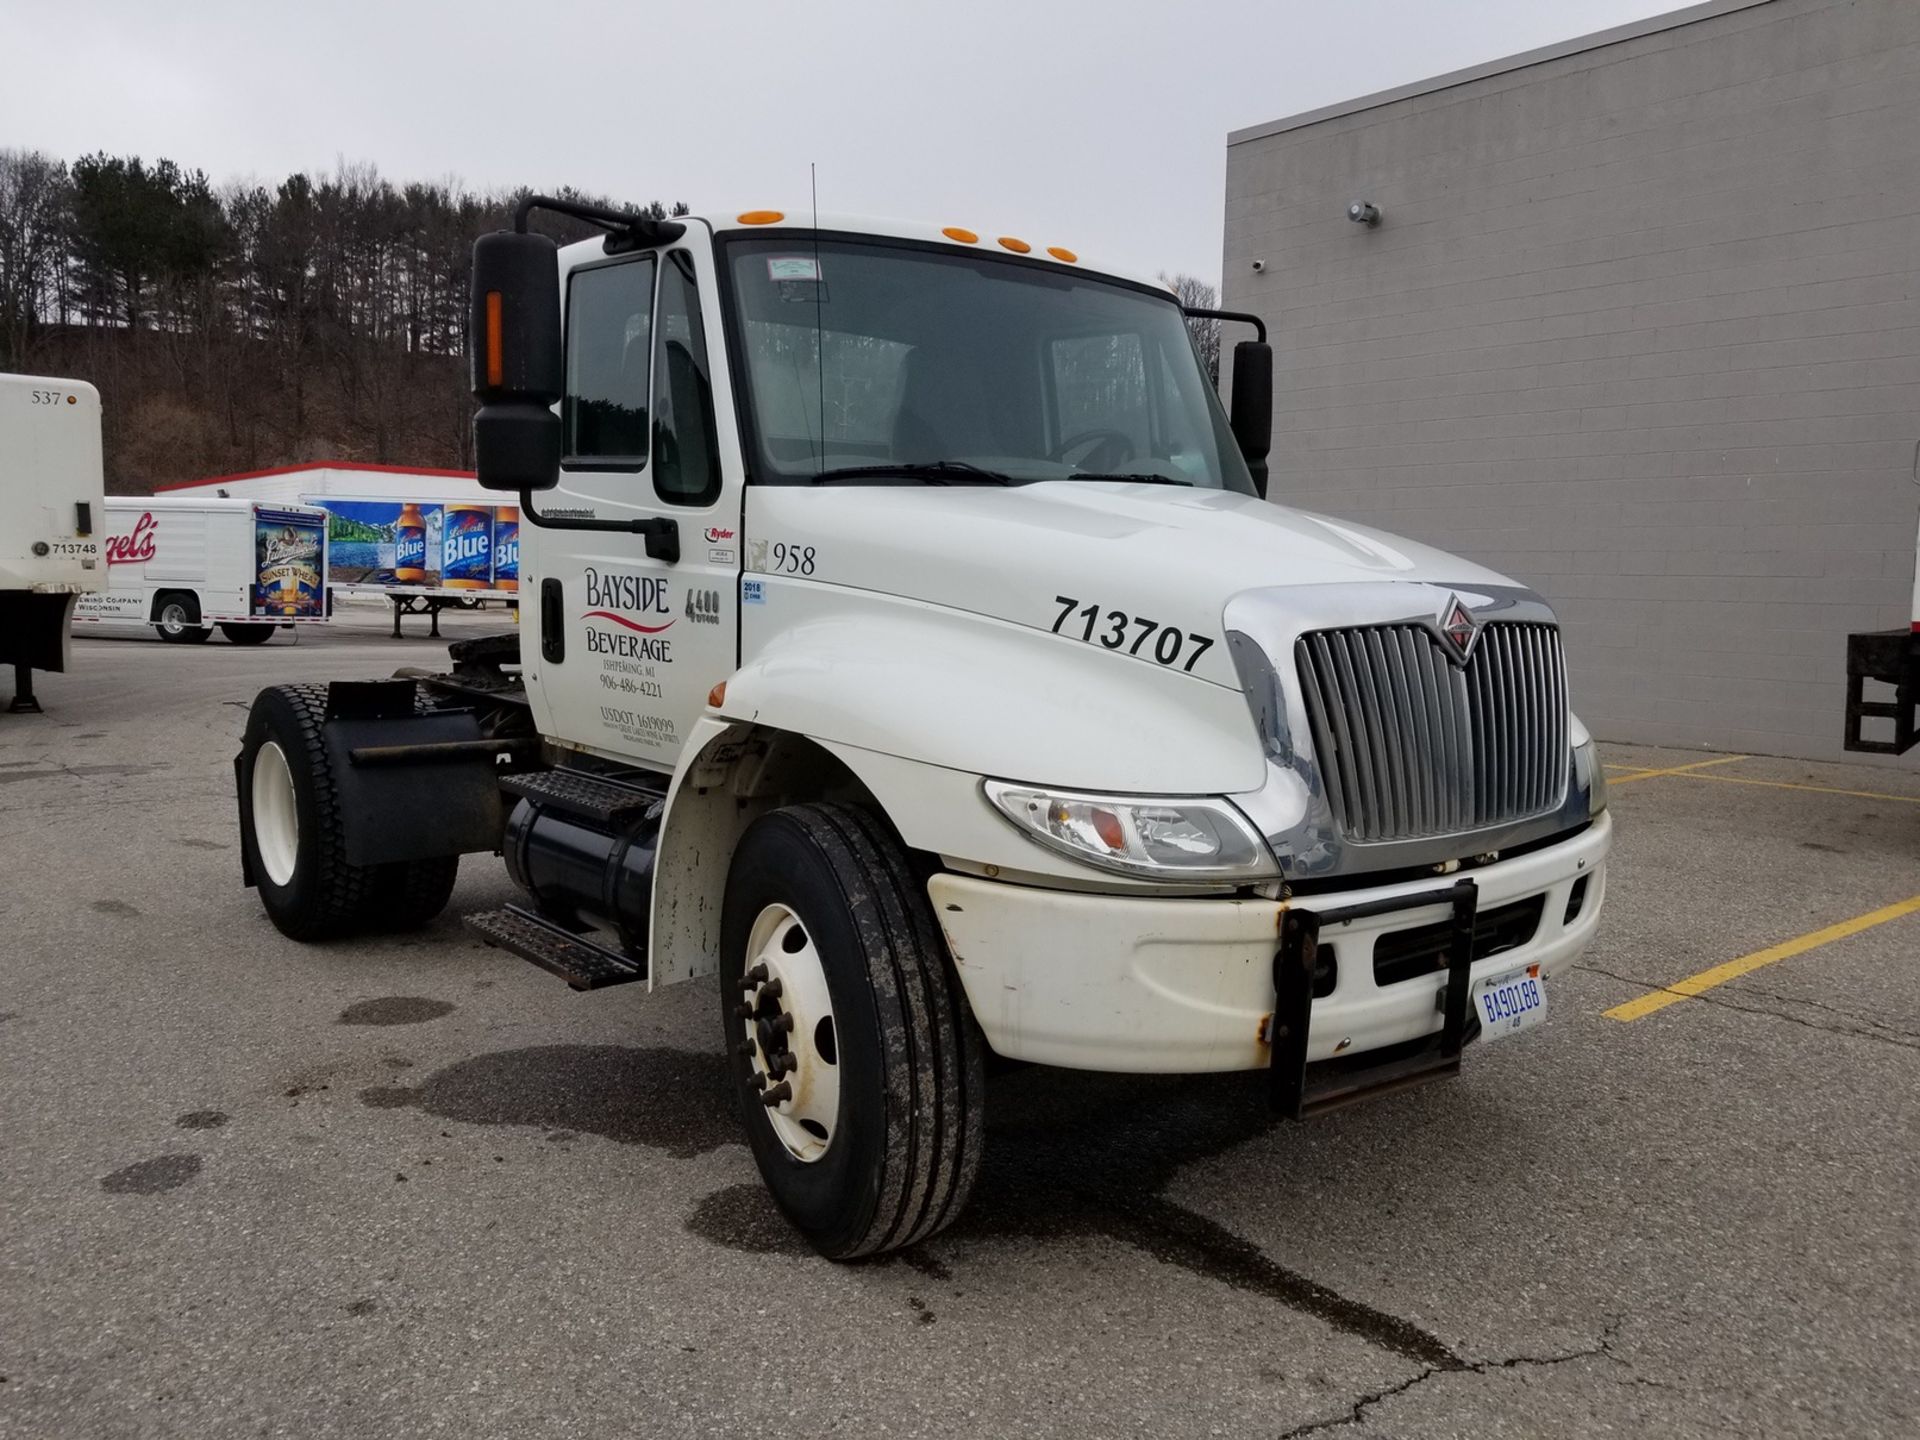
[176,617]
[822,894]
[411,893]
[247,634]
[290,820]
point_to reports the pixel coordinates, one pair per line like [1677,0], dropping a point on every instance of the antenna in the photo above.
[819,328]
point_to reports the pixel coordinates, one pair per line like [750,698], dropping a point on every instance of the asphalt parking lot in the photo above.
[412,1186]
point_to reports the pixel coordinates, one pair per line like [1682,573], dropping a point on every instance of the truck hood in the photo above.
[1135,554]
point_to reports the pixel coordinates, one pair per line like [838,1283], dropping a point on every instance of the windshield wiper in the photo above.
[933,472]
[1141,479]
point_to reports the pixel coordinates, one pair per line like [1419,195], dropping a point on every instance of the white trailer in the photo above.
[51,494]
[424,539]
[186,564]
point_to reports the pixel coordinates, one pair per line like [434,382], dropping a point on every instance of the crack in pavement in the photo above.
[1899,1039]
[1357,1412]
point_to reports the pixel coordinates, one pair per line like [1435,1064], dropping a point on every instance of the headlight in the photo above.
[1190,837]
[1587,769]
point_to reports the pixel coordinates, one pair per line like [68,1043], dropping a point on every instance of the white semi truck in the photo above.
[52,495]
[910,650]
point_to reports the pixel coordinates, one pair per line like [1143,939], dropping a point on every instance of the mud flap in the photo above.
[438,794]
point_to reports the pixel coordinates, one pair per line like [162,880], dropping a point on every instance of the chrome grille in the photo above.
[1411,744]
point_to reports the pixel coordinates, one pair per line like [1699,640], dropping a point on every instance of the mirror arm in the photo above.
[1194,312]
[624,231]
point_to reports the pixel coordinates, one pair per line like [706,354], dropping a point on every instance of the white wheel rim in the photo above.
[790,1039]
[173,619]
[276,820]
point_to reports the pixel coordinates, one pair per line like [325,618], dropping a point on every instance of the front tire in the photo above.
[290,820]
[837,996]
[247,634]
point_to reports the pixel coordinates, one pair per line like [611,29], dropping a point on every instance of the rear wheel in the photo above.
[247,634]
[855,1060]
[290,820]
[410,893]
[177,618]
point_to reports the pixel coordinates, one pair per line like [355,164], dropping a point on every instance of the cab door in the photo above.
[624,634]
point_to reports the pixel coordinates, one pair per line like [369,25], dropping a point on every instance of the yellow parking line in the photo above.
[1693,985]
[1678,769]
[1792,785]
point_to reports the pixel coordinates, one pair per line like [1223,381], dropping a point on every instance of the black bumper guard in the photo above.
[1300,1090]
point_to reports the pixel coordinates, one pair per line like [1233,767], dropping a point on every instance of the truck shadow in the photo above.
[1068,1155]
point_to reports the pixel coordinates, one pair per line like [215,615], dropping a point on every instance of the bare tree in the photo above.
[1199,295]
[35,194]
[248,325]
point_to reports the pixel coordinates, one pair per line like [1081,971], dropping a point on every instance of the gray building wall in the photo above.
[1640,327]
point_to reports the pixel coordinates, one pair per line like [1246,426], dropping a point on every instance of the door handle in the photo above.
[662,534]
[553,622]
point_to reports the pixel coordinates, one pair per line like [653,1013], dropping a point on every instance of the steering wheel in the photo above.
[1113,448]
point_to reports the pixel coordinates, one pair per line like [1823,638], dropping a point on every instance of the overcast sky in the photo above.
[1099,126]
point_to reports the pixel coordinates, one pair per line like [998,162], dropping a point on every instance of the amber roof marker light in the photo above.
[761,217]
[1018,246]
[962,234]
[1060,252]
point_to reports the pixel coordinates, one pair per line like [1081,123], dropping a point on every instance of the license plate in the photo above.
[1509,1003]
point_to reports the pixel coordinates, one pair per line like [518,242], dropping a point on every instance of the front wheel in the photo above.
[854,1057]
[247,634]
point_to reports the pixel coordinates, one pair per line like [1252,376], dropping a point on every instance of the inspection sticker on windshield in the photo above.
[1510,1002]
[792,267]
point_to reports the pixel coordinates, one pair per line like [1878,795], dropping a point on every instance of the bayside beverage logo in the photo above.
[136,546]
[630,602]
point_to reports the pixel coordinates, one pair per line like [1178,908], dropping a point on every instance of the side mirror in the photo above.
[519,371]
[1251,413]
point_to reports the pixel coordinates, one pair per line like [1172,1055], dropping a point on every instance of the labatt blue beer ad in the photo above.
[506,548]
[289,553]
[466,547]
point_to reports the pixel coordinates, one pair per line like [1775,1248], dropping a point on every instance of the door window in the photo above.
[609,343]
[686,459]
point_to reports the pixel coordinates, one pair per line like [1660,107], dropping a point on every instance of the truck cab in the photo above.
[911,650]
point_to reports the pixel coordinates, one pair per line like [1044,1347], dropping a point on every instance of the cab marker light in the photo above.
[1060,252]
[1019,247]
[962,234]
[761,217]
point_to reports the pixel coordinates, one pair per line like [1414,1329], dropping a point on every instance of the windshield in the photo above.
[886,363]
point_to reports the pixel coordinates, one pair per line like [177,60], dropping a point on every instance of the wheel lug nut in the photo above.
[743,1010]
[784,1063]
[772,990]
[772,1097]
[745,1049]
[783,1024]
[756,976]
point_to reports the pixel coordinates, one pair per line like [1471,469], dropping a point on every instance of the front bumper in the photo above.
[1109,982]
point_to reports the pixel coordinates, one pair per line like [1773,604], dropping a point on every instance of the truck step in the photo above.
[610,802]
[580,962]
